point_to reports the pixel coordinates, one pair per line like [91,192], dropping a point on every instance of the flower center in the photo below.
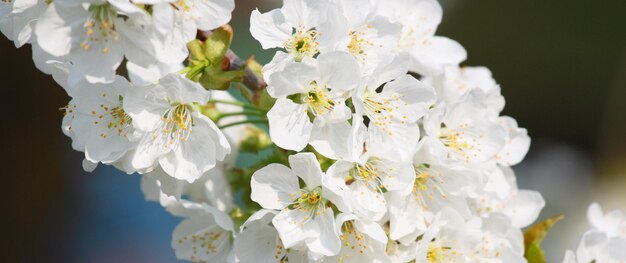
[382,110]
[407,38]
[181,5]
[118,121]
[175,126]
[100,27]
[113,117]
[438,253]
[359,44]
[318,100]
[355,47]
[308,201]
[352,240]
[303,43]
[369,174]
[205,243]
[453,139]
[426,185]
[457,141]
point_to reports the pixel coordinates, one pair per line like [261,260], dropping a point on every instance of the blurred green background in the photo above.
[561,65]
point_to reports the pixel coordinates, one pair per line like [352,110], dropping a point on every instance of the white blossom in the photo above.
[450,238]
[94,37]
[605,241]
[436,186]
[97,122]
[259,241]
[367,36]
[393,102]
[310,105]
[177,22]
[304,216]
[383,148]
[501,194]
[205,235]
[185,143]
[463,132]
[18,18]
[419,19]
[361,240]
[294,27]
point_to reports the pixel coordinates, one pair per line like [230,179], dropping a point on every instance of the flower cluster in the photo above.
[420,156]
[379,146]
[605,241]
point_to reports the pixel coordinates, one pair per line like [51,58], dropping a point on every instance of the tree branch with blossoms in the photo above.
[371,142]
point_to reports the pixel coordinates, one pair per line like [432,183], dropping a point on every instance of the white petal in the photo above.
[106,150]
[182,90]
[290,127]
[367,203]
[141,76]
[327,243]
[372,229]
[89,166]
[339,70]
[335,177]
[269,28]
[430,59]
[150,188]
[306,166]
[187,247]
[330,139]
[401,177]
[406,216]
[295,78]
[145,107]
[214,13]
[294,227]
[277,64]
[258,240]
[54,29]
[167,184]
[517,144]
[524,208]
[305,13]
[198,154]
[418,96]
[273,186]
[391,68]
[137,45]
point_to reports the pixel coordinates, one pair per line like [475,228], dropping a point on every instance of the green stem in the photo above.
[237,103]
[195,71]
[243,122]
[184,70]
[192,71]
[245,113]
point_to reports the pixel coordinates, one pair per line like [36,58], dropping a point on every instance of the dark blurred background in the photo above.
[561,65]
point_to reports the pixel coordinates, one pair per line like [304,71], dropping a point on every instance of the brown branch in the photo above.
[252,80]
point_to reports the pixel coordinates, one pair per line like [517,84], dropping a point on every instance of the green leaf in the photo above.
[196,52]
[533,238]
[216,79]
[263,100]
[217,44]
[207,62]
